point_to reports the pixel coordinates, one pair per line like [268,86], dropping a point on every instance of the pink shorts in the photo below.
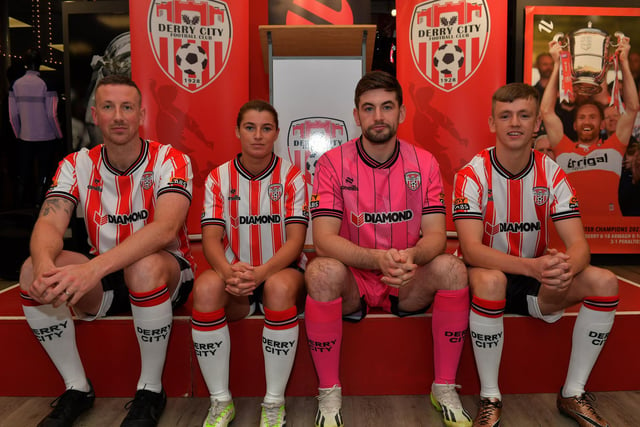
[374,293]
[372,290]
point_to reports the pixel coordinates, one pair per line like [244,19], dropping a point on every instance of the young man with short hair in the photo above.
[505,199]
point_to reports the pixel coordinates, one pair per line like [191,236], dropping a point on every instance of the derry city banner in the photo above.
[190,60]
[451,58]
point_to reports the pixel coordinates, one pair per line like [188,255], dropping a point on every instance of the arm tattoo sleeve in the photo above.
[54,205]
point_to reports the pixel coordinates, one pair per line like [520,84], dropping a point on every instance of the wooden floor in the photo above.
[621,409]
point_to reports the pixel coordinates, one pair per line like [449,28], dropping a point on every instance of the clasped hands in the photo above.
[243,280]
[397,268]
[62,285]
[555,271]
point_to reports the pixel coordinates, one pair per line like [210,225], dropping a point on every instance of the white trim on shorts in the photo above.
[534,310]
[107,296]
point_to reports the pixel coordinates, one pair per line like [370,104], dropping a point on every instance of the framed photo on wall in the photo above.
[535,22]
[598,168]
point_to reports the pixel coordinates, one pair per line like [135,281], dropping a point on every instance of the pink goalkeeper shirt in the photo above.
[380,204]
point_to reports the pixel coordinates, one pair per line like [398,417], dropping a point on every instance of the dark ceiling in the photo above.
[43,14]
[46,15]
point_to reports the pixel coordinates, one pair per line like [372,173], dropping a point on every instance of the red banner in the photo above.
[319,12]
[190,60]
[451,58]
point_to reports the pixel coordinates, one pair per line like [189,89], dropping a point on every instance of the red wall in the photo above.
[258,79]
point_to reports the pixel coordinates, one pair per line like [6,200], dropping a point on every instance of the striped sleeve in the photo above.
[176,173]
[65,180]
[326,199]
[213,208]
[434,197]
[296,209]
[564,204]
[467,194]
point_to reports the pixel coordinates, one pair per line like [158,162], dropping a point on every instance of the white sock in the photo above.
[153,324]
[279,344]
[487,339]
[589,335]
[55,330]
[279,349]
[212,345]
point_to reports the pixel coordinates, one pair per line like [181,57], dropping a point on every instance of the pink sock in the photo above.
[323,321]
[449,327]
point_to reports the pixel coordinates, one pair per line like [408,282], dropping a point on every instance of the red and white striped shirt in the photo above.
[254,210]
[115,204]
[516,208]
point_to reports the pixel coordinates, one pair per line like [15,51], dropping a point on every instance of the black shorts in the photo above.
[518,288]
[115,283]
[357,316]
[255,299]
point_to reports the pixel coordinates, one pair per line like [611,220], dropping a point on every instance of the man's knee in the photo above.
[449,272]
[283,289]
[26,274]
[601,282]
[151,271]
[488,284]
[325,274]
[208,292]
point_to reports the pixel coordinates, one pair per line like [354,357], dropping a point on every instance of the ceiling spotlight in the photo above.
[393,13]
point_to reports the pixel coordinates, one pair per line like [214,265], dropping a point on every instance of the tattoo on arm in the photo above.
[53,205]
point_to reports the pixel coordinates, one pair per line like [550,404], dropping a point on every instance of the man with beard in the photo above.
[379,232]
[593,165]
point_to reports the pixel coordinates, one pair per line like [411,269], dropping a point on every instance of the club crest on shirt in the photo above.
[275,192]
[540,196]
[147,180]
[413,180]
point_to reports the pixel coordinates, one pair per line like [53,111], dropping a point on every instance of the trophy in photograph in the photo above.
[587,56]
